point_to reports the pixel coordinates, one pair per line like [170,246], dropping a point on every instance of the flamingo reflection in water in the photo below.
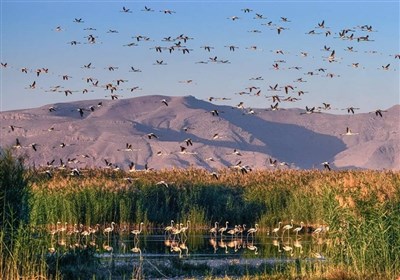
[287,248]
[277,243]
[297,244]
[214,244]
[184,247]
[136,248]
[251,247]
[176,248]
[235,244]
[223,245]
[107,247]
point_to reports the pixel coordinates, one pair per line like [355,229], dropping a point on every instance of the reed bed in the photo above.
[358,210]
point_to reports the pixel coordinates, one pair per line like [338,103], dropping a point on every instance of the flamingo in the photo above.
[137,232]
[177,249]
[275,230]
[169,228]
[107,247]
[287,227]
[223,229]
[287,248]
[251,247]
[252,231]
[184,229]
[177,231]
[137,250]
[108,230]
[298,229]
[233,231]
[214,230]
[317,231]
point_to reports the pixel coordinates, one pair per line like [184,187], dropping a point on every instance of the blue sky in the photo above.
[29,39]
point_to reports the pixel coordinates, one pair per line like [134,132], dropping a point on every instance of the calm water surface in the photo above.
[195,245]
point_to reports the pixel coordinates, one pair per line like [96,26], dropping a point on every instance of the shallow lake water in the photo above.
[196,245]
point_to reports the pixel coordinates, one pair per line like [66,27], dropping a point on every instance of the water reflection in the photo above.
[136,248]
[178,240]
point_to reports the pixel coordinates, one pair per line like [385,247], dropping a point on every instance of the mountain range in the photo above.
[163,132]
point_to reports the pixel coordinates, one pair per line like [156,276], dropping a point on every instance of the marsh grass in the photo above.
[361,209]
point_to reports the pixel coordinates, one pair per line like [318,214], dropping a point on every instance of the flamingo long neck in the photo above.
[141,227]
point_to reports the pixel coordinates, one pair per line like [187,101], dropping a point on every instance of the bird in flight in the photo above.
[152,135]
[379,112]
[147,9]
[326,165]
[125,10]
[349,132]
[351,109]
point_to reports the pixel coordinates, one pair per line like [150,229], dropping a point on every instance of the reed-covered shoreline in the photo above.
[359,210]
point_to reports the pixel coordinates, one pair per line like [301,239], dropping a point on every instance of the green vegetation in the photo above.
[360,211]
[14,193]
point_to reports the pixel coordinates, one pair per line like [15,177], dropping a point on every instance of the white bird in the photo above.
[252,231]
[136,232]
[349,132]
[298,229]
[223,229]
[275,230]
[287,227]
[214,230]
[162,183]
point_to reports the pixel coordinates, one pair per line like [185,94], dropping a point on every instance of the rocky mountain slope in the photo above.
[117,132]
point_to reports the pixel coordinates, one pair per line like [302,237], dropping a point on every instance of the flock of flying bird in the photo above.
[277,93]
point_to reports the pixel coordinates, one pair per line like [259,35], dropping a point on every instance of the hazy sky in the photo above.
[30,39]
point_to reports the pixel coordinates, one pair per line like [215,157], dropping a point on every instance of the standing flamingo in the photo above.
[137,232]
[296,230]
[223,229]
[287,227]
[214,230]
[169,228]
[108,231]
[275,230]
[184,229]
[252,231]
